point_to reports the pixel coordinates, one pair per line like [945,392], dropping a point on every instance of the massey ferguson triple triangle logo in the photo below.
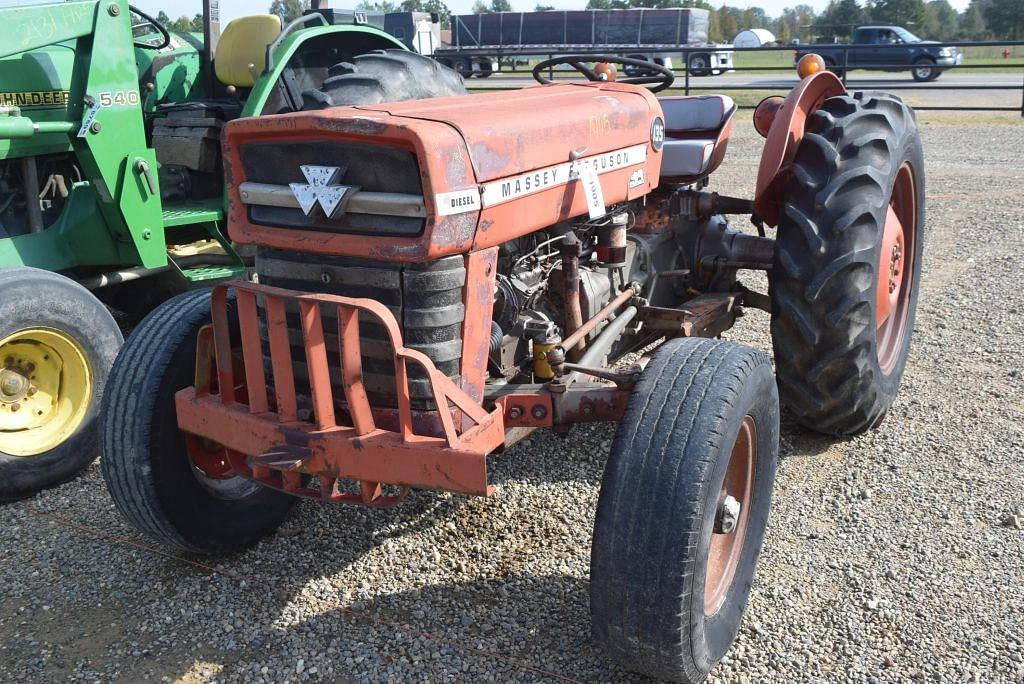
[319,190]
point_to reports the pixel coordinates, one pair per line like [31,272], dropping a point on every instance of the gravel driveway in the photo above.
[889,557]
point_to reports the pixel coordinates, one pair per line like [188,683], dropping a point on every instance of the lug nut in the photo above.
[539,412]
[727,516]
[31,390]
[15,406]
[515,413]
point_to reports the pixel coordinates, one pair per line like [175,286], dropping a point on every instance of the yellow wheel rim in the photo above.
[45,390]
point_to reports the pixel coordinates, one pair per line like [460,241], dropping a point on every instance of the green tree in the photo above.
[543,8]
[728,27]
[501,6]
[754,17]
[899,12]
[288,10]
[793,23]
[839,20]
[1006,18]
[714,28]
[971,22]
[940,21]
[437,7]
[377,6]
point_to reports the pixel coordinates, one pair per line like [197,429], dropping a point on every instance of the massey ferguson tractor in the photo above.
[436,277]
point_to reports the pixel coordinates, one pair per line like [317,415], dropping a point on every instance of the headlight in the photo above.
[945,52]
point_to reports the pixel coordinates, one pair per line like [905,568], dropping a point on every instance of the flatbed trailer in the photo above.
[481,43]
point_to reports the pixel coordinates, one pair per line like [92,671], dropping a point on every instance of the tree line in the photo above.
[931,19]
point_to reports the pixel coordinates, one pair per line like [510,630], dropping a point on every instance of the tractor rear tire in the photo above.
[57,343]
[668,582]
[384,76]
[838,357]
[145,462]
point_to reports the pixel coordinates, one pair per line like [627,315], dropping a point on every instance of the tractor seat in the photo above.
[243,45]
[697,132]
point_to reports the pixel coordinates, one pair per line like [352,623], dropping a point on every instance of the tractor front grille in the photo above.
[426,300]
[373,169]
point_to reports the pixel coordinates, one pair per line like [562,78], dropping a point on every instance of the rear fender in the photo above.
[785,134]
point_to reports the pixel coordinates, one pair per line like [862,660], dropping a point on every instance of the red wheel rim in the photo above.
[209,458]
[896,269]
[727,546]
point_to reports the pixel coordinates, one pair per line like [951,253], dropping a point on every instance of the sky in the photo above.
[229,9]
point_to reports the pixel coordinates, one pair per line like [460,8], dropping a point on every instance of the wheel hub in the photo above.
[45,390]
[895,268]
[890,267]
[731,514]
[728,515]
[13,386]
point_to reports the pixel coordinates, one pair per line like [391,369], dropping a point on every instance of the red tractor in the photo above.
[437,275]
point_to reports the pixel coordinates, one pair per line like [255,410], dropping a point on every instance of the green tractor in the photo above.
[111,190]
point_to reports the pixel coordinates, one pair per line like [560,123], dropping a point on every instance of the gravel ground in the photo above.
[889,557]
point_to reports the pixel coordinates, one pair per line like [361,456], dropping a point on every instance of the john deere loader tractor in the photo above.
[111,189]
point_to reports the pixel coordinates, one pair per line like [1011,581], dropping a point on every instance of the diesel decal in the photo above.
[457,201]
[42,98]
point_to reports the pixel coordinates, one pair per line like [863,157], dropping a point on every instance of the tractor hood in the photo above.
[512,133]
[418,180]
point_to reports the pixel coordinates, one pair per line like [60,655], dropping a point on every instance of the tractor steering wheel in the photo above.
[661,76]
[149,21]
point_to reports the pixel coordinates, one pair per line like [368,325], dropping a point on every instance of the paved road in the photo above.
[776,80]
[938,93]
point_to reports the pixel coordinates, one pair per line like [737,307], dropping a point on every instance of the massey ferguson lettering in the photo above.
[524,184]
[514,187]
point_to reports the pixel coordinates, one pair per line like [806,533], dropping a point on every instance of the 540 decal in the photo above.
[118,97]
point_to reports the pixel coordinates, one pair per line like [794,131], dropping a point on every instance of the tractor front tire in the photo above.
[151,478]
[387,76]
[57,343]
[848,263]
[683,508]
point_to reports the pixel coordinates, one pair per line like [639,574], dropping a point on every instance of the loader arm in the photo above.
[104,123]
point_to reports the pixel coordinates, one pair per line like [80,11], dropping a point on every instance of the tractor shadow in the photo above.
[796,441]
[509,628]
[439,587]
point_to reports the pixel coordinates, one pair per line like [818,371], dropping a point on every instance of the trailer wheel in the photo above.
[384,76]
[683,507]
[848,263]
[156,483]
[57,342]
[700,64]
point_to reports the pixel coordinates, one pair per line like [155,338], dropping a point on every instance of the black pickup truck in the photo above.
[925,59]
